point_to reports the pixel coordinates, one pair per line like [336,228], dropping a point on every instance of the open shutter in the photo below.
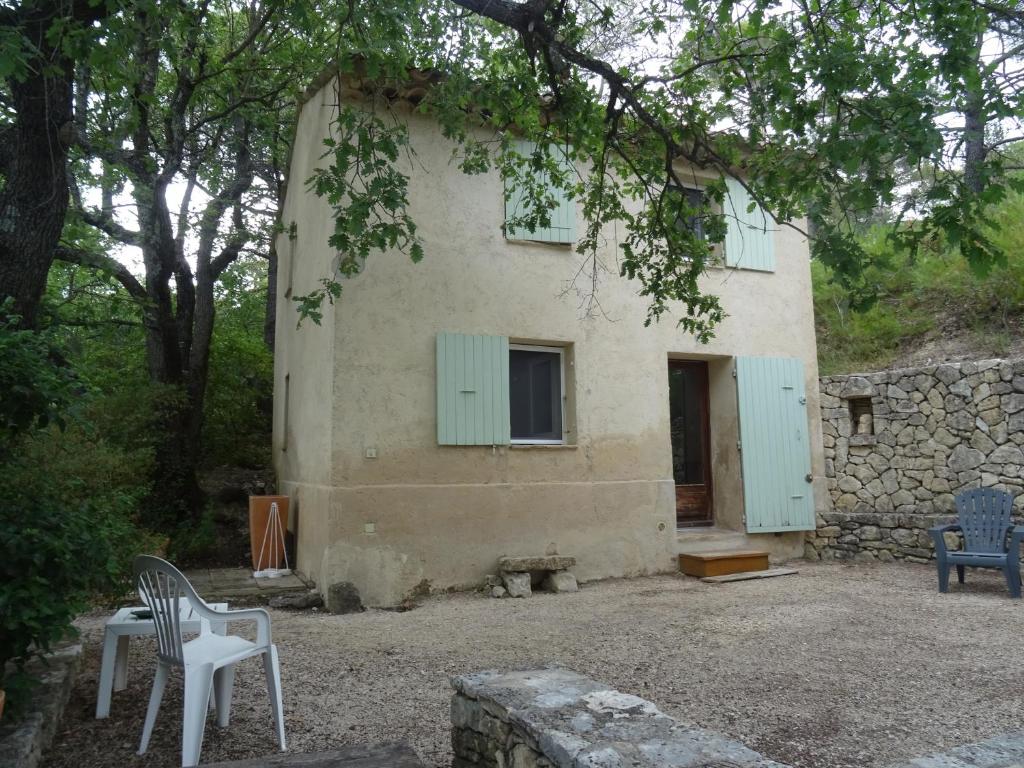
[472,390]
[749,236]
[563,215]
[775,449]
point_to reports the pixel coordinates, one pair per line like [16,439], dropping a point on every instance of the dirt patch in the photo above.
[841,665]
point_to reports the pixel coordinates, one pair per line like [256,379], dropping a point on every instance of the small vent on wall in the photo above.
[862,418]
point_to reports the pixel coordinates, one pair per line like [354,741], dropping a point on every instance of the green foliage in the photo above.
[60,543]
[69,497]
[236,430]
[194,542]
[34,387]
[921,295]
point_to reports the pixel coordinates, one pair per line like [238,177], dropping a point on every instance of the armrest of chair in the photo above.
[259,615]
[938,538]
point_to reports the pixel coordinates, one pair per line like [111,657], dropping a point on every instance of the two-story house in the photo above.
[450,412]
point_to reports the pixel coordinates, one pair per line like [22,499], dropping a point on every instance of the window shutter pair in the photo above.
[563,215]
[750,236]
[472,390]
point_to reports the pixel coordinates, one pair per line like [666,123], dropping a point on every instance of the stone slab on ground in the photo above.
[393,755]
[545,563]
[557,718]
[748,575]
[237,586]
[22,743]
[1004,751]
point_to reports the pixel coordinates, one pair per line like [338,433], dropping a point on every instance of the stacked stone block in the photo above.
[933,431]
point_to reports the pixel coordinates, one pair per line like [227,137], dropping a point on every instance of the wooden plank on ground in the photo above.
[396,755]
[750,575]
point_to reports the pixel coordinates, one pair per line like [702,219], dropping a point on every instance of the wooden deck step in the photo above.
[722,563]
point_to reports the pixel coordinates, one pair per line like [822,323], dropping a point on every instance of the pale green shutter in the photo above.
[563,215]
[749,236]
[472,390]
[774,446]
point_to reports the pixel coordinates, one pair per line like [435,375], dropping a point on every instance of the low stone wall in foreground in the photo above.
[556,718]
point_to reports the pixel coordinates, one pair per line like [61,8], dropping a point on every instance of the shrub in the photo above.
[67,504]
[53,556]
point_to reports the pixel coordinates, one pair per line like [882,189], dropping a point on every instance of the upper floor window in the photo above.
[562,213]
[690,202]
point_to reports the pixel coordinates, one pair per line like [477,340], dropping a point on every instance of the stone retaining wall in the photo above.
[556,718]
[900,444]
[22,742]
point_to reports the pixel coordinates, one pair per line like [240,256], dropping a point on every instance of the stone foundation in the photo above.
[899,445]
[556,718]
[868,536]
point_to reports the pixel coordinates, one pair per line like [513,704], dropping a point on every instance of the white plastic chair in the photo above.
[207,661]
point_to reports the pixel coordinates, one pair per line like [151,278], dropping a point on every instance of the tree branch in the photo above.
[106,224]
[103,263]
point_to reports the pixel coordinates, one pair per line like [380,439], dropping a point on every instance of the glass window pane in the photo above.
[535,395]
[694,200]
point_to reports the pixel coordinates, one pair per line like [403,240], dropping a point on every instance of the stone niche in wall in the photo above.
[900,444]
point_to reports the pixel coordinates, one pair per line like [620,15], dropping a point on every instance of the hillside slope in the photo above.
[931,308]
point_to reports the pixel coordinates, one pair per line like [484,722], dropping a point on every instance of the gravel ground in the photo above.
[841,665]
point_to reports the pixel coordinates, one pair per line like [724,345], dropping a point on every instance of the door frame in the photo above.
[705,426]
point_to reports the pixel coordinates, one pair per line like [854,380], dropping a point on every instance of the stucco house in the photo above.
[450,412]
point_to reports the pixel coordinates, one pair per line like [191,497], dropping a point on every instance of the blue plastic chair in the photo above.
[990,538]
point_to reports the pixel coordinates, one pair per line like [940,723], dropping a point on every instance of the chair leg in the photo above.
[223,682]
[155,697]
[272,670]
[106,674]
[1012,579]
[198,680]
[943,576]
[960,573]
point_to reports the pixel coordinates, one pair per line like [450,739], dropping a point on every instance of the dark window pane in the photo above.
[535,395]
[686,410]
[694,200]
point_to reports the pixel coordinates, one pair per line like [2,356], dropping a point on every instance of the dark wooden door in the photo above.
[690,430]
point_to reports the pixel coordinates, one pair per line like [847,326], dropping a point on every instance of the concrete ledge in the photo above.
[556,718]
[22,743]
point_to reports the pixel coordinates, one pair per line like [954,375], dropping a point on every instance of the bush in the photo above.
[53,557]
[67,504]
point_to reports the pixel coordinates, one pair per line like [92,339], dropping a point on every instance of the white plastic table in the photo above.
[120,628]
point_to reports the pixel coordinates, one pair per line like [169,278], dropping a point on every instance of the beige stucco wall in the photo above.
[444,514]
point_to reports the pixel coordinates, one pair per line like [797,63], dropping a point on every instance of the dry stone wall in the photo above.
[557,718]
[900,444]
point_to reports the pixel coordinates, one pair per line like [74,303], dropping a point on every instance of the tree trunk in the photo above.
[975,120]
[33,162]
[175,498]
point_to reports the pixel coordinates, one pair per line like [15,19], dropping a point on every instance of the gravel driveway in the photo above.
[841,665]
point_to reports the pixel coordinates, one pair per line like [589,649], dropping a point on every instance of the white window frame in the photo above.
[561,390]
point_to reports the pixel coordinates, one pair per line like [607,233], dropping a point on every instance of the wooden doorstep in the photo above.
[702,564]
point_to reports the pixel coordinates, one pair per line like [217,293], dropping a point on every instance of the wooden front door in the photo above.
[691,458]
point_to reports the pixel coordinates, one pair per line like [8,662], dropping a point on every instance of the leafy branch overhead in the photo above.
[814,108]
